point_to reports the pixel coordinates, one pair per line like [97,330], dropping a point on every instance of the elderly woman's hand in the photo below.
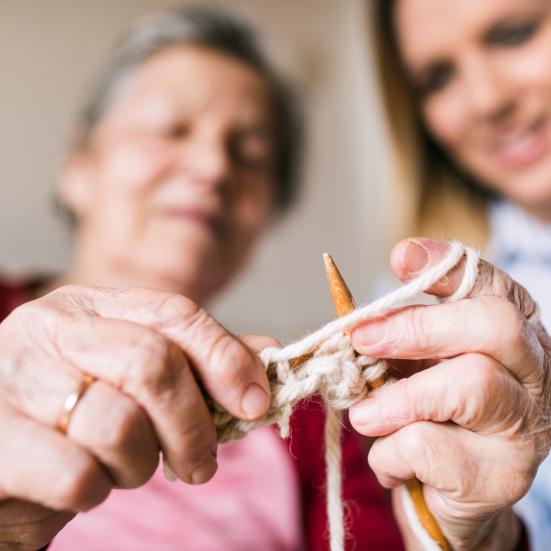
[148,353]
[471,417]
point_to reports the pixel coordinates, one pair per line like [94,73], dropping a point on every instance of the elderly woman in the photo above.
[180,161]
[183,155]
[467,89]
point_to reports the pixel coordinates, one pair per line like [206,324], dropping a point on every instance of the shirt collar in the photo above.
[516,235]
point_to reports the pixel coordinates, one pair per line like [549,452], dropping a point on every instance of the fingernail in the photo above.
[255,401]
[415,257]
[364,412]
[370,333]
[205,470]
[170,475]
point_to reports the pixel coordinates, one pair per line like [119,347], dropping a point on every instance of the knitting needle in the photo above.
[344,304]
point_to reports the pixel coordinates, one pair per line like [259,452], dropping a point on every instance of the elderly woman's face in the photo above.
[482,69]
[178,179]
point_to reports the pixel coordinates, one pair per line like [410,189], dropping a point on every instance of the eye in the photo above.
[510,35]
[434,79]
[252,151]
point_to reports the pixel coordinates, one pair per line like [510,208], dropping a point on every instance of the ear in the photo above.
[75,186]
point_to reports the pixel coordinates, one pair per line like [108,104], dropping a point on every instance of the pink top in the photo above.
[251,503]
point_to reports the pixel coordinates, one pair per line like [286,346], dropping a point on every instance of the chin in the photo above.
[192,275]
[531,190]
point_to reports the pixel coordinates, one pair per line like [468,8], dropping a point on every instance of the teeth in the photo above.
[513,140]
[522,147]
[518,143]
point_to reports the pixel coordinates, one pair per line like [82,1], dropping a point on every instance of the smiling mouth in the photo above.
[521,148]
[212,222]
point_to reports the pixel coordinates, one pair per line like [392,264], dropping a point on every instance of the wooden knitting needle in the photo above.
[344,304]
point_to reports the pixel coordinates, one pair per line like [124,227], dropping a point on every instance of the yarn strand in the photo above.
[333,466]
[329,367]
[407,291]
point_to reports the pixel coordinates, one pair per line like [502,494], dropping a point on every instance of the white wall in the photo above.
[48,52]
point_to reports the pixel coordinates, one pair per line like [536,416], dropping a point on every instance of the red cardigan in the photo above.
[369,521]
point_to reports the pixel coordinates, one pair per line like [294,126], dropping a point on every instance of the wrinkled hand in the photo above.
[149,352]
[470,415]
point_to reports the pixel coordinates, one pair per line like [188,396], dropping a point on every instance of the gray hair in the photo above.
[226,34]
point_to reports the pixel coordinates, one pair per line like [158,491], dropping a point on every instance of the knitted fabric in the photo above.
[328,364]
[325,363]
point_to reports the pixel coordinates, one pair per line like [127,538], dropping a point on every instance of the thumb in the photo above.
[411,257]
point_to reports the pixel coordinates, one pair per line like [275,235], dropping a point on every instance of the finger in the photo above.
[458,467]
[258,343]
[39,464]
[488,325]
[455,390]
[31,526]
[415,452]
[411,257]
[229,371]
[112,427]
[106,422]
[143,364]
[154,372]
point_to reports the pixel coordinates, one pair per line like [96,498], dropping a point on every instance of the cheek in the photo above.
[127,174]
[445,118]
[531,74]
[133,166]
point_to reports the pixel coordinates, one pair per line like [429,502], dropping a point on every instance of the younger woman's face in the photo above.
[178,179]
[482,72]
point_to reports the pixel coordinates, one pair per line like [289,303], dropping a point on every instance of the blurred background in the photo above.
[49,51]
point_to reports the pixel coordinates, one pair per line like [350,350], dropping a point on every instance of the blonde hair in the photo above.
[431,197]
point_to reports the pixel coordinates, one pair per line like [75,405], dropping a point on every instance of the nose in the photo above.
[205,158]
[490,94]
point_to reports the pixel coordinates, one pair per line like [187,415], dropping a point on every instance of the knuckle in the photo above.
[507,321]
[39,320]
[71,297]
[484,383]
[37,309]
[153,347]
[228,358]
[223,356]
[493,281]
[421,444]
[473,392]
[403,402]
[81,487]
[124,425]
[415,436]
[427,445]
[482,374]
[173,308]
[379,455]
[414,328]
[155,370]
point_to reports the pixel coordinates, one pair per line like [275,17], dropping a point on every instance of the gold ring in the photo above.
[72,401]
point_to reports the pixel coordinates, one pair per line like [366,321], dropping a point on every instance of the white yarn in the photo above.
[333,491]
[331,368]
[422,283]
